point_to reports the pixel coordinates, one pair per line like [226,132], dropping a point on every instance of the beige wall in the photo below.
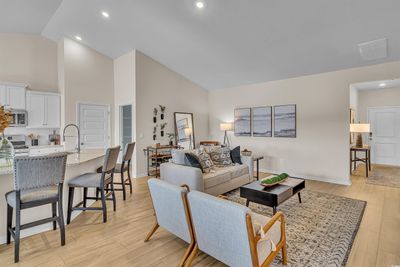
[29,59]
[320,150]
[376,98]
[88,77]
[158,85]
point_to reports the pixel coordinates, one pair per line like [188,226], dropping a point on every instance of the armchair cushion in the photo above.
[264,246]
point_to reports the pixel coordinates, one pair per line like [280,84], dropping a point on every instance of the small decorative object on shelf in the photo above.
[6,148]
[155,132]
[171,137]
[34,139]
[162,108]
[274,179]
[246,152]
[155,112]
[162,127]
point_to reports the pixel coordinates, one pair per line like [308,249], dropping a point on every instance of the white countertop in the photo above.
[45,146]
[72,159]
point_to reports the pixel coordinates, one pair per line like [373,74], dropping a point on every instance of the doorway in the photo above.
[94,121]
[125,125]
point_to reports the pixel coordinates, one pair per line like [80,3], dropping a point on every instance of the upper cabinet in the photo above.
[13,96]
[44,109]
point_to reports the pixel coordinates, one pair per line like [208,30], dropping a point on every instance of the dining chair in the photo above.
[38,181]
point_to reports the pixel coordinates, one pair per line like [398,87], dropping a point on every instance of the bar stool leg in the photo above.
[61,217]
[123,184]
[85,196]
[103,203]
[70,203]
[129,177]
[113,195]
[9,222]
[17,233]
[54,213]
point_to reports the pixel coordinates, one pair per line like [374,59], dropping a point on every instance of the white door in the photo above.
[385,128]
[94,125]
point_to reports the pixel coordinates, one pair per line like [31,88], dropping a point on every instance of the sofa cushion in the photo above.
[235,155]
[193,161]
[221,156]
[224,174]
[179,157]
[204,159]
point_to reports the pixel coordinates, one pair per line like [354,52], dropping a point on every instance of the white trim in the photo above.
[14,84]
[314,178]
[79,103]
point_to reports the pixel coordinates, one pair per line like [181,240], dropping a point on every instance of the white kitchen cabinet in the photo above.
[13,96]
[44,110]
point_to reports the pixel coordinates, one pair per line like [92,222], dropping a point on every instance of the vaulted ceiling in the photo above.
[226,44]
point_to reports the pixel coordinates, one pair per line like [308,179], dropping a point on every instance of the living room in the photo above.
[179,89]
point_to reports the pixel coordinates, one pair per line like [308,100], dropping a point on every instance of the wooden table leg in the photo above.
[355,162]
[298,194]
[258,169]
[274,210]
[369,159]
[247,202]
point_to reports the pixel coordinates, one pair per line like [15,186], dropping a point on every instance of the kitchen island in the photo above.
[77,164]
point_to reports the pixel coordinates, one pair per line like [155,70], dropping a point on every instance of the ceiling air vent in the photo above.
[373,50]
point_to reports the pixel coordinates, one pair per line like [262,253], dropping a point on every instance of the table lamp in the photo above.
[226,126]
[360,128]
[188,132]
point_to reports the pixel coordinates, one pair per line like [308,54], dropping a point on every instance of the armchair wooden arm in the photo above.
[253,240]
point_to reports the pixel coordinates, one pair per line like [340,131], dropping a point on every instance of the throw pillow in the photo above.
[193,161]
[204,159]
[221,156]
[235,155]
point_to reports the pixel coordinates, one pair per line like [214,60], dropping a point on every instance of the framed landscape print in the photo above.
[242,122]
[285,121]
[262,121]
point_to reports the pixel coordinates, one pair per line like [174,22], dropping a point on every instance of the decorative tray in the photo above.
[274,180]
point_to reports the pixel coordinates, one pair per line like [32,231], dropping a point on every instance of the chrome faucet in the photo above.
[79,135]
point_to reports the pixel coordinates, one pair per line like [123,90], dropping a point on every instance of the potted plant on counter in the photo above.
[6,148]
[171,137]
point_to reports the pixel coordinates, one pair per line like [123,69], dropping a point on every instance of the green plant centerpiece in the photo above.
[275,179]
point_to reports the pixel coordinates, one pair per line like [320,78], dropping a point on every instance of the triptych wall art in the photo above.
[257,121]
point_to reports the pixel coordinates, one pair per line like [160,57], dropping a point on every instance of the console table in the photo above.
[257,160]
[354,159]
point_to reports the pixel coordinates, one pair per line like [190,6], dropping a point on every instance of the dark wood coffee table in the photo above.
[272,196]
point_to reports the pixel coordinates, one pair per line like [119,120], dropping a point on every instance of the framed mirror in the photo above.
[184,130]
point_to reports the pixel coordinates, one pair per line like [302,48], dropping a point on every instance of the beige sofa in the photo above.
[220,180]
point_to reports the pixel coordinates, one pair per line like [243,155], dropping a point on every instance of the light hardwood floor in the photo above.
[119,242]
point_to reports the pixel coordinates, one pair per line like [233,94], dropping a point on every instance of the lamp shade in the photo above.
[360,128]
[188,131]
[226,126]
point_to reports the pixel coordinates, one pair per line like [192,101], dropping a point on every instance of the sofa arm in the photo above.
[248,160]
[180,174]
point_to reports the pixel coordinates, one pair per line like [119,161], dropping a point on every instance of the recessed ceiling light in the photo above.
[77,37]
[105,14]
[382,84]
[200,4]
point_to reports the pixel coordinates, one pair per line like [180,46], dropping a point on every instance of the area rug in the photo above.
[384,175]
[320,231]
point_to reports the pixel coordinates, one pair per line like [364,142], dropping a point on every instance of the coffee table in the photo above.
[272,196]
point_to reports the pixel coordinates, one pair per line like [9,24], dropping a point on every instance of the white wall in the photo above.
[376,98]
[158,85]
[320,150]
[87,77]
[29,59]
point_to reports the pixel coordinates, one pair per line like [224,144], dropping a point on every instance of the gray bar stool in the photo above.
[95,180]
[121,169]
[37,181]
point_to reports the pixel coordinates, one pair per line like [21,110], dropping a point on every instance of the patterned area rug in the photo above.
[383,175]
[320,231]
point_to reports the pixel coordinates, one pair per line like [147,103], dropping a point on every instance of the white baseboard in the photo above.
[314,178]
[140,175]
